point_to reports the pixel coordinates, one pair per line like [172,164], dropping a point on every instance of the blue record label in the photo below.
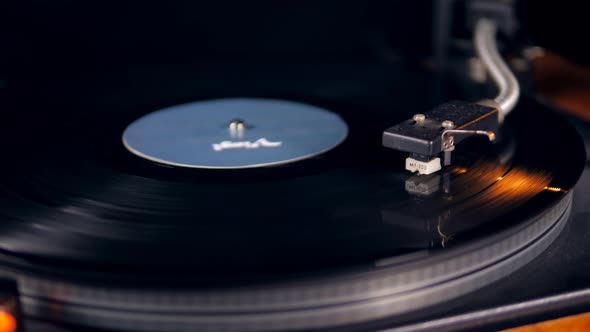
[234,133]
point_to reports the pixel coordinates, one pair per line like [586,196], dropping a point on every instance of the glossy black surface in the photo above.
[73,196]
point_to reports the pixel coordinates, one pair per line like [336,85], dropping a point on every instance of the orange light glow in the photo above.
[459,170]
[555,189]
[7,322]
[495,189]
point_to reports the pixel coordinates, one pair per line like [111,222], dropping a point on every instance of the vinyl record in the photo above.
[339,238]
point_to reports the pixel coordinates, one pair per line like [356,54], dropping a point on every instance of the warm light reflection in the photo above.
[519,183]
[489,189]
[484,191]
[459,170]
[555,189]
[7,322]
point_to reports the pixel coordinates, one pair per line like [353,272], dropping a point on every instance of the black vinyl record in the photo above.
[321,242]
[84,197]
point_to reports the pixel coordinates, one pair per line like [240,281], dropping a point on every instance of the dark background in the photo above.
[61,36]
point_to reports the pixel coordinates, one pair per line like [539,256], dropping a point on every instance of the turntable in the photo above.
[264,197]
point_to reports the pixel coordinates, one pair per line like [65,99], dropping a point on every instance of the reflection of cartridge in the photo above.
[420,229]
[472,195]
[423,185]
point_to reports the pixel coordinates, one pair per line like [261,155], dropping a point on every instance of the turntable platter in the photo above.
[342,237]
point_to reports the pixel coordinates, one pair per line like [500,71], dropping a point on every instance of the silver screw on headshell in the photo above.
[419,117]
[448,124]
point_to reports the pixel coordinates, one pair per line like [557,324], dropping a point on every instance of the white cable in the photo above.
[485,45]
